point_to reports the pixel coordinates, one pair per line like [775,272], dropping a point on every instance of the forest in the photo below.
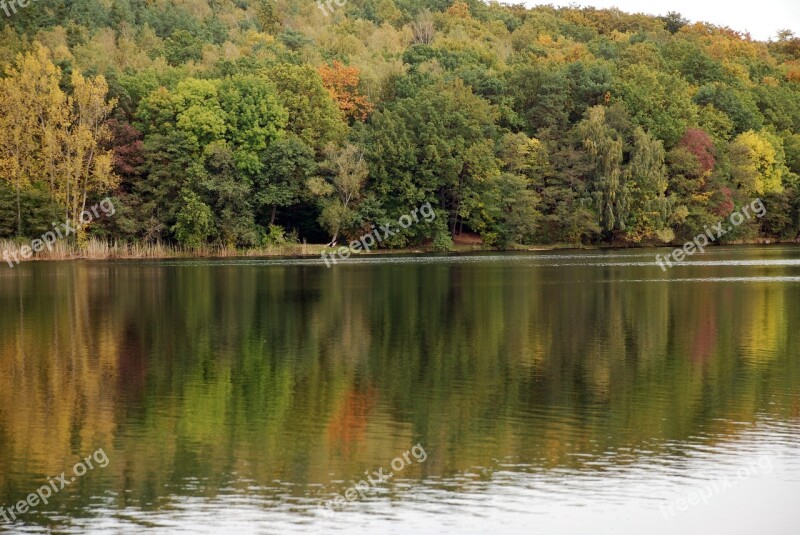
[239,123]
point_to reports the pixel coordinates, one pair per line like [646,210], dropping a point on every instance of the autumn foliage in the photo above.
[699,143]
[249,122]
[343,84]
[459,9]
[793,71]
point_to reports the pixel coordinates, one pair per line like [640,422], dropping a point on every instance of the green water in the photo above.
[551,393]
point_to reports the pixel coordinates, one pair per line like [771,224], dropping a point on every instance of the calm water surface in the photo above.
[554,393]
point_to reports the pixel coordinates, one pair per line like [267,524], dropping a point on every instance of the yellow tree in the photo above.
[758,162]
[47,136]
[85,166]
[16,145]
[32,111]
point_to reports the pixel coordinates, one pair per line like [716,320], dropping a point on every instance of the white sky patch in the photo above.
[762,19]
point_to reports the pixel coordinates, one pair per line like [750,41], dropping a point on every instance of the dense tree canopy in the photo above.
[231,122]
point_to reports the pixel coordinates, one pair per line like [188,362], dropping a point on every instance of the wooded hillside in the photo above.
[242,122]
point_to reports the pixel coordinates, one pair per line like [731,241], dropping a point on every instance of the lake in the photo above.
[553,392]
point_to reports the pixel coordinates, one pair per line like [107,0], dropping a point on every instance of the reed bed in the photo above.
[97,249]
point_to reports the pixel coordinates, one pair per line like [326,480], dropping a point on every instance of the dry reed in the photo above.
[97,249]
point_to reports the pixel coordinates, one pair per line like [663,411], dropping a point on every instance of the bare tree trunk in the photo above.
[454,224]
[67,203]
[274,211]
[83,207]
[19,212]
[454,218]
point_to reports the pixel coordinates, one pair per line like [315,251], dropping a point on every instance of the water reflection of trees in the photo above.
[295,373]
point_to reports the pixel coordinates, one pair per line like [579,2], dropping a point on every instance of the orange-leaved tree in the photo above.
[343,84]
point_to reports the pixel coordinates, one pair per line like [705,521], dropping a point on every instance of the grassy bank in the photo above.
[103,250]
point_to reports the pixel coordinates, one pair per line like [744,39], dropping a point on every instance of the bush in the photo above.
[195,222]
[275,236]
[442,241]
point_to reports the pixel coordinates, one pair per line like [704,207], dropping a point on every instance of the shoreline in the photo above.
[103,251]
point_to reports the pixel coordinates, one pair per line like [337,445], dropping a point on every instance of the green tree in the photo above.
[674,21]
[738,105]
[646,184]
[604,146]
[182,47]
[541,96]
[287,166]
[433,147]
[313,116]
[341,189]
[210,137]
[194,223]
[660,102]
